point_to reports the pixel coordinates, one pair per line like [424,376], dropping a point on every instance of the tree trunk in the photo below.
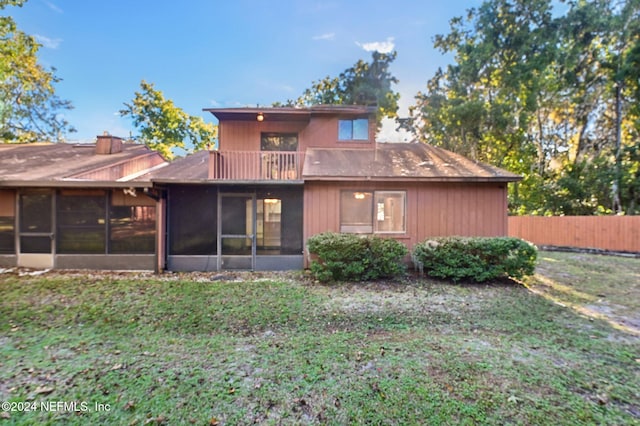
[540,146]
[617,205]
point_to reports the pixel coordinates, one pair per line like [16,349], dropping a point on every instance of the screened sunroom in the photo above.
[227,227]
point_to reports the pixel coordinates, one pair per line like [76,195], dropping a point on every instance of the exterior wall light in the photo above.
[260,117]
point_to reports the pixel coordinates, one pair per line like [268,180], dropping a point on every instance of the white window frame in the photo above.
[376,211]
[373,227]
[352,137]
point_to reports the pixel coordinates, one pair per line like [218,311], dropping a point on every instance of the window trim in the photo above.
[404,211]
[352,137]
[352,229]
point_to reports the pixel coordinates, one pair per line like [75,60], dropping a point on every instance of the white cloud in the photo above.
[51,43]
[325,36]
[378,46]
[53,7]
[215,103]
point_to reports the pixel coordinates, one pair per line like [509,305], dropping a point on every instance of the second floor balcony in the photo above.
[256,165]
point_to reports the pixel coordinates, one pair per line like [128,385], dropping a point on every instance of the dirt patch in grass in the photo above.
[384,298]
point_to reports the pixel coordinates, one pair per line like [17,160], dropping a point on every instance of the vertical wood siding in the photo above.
[322,132]
[121,169]
[433,209]
[319,132]
[245,135]
[614,233]
[7,202]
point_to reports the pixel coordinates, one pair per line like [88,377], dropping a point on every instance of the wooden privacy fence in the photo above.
[612,233]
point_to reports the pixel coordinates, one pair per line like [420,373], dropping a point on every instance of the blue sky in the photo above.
[204,54]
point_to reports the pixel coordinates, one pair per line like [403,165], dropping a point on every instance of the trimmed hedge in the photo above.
[478,259]
[350,257]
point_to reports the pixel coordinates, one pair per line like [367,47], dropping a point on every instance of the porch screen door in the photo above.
[236,231]
[36,230]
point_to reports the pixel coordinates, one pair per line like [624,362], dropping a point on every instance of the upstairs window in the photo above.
[353,130]
[278,142]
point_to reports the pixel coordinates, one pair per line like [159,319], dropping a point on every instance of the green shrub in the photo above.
[349,257]
[478,259]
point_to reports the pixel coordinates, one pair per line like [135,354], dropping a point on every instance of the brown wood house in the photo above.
[78,206]
[281,175]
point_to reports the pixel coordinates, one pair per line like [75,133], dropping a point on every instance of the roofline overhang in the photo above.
[228,182]
[288,113]
[147,184]
[410,179]
[73,184]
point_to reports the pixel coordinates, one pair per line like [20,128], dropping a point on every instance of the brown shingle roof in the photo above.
[390,161]
[62,164]
[192,168]
[398,161]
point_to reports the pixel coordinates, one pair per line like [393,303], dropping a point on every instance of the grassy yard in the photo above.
[606,287]
[135,349]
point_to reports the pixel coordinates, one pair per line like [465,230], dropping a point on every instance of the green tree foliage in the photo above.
[164,127]
[551,96]
[365,83]
[29,108]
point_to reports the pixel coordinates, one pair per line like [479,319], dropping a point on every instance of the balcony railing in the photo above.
[256,165]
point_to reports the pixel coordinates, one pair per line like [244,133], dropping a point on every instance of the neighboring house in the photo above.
[281,175]
[76,206]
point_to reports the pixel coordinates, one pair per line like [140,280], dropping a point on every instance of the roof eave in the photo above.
[288,113]
[413,179]
[226,182]
[73,184]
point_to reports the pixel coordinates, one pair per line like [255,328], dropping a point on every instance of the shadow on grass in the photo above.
[595,286]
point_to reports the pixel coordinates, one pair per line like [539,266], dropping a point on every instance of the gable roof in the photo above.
[193,168]
[399,161]
[389,161]
[63,165]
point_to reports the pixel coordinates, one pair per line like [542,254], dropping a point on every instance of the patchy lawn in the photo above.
[605,287]
[135,349]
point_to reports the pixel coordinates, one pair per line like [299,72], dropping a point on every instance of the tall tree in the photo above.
[489,104]
[164,127]
[365,83]
[550,96]
[29,108]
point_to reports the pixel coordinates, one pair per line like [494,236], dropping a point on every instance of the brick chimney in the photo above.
[108,144]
